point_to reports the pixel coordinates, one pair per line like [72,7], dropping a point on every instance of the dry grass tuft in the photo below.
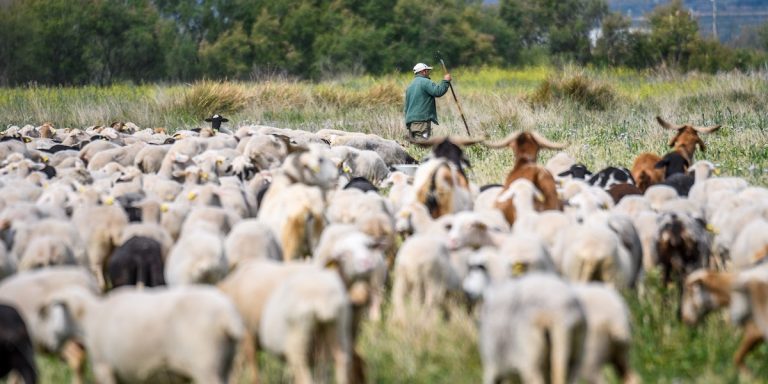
[578,89]
[207,97]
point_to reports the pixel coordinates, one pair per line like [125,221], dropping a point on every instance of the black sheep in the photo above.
[16,352]
[138,261]
[362,184]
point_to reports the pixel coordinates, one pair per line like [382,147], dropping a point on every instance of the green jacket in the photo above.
[420,99]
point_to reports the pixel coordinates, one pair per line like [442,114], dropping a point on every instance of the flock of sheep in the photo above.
[153,255]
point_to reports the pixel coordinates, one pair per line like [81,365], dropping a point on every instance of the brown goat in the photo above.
[644,168]
[705,291]
[442,184]
[526,147]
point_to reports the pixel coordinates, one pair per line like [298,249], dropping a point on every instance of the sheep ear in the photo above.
[565,173]
[208,119]
[181,158]
[224,120]
[661,164]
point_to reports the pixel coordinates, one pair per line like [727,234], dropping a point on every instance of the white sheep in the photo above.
[608,333]
[101,228]
[134,335]
[252,285]
[359,259]
[303,309]
[27,291]
[251,239]
[197,257]
[528,324]
[593,252]
[423,273]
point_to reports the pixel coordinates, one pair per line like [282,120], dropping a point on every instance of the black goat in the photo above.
[16,351]
[673,163]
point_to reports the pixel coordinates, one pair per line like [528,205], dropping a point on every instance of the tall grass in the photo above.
[495,102]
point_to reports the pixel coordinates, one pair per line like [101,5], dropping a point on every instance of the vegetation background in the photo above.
[344,64]
[606,116]
[78,42]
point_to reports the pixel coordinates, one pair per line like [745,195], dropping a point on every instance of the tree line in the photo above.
[76,42]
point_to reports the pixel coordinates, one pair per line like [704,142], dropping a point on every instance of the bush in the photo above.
[207,97]
[578,89]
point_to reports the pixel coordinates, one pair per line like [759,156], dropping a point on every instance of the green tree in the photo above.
[229,56]
[674,33]
[563,26]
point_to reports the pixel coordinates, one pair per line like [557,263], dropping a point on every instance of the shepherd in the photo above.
[420,109]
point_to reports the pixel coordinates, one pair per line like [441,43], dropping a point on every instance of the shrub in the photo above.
[207,97]
[578,89]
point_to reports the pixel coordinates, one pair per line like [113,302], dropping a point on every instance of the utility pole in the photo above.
[714,20]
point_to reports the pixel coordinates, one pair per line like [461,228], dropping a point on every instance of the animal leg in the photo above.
[297,353]
[74,356]
[752,337]
[103,374]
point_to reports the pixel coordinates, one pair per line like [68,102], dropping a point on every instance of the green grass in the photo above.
[495,104]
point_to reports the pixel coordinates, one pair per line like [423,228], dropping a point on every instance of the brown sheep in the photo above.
[644,168]
[525,146]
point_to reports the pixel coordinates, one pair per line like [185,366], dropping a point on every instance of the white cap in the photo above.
[420,67]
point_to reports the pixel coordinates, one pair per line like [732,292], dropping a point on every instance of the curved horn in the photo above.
[666,124]
[504,142]
[434,140]
[465,141]
[706,129]
[545,143]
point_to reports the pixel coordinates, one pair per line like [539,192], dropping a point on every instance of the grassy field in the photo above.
[606,117]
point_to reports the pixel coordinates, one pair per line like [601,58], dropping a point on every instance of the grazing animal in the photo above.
[610,176]
[16,351]
[138,261]
[525,146]
[644,169]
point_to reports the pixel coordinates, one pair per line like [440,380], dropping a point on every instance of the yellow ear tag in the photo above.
[45,159]
[519,268]
[346,169]
[109,201]
[27,139]
[192,195]
[164,207]
[711,228]
[204,176]
[332,264]
[539,197]
[717,171]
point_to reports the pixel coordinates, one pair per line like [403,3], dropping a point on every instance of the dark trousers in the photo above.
[421,130]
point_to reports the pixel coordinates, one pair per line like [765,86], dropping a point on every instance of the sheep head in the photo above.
[526,144]
[687,137]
